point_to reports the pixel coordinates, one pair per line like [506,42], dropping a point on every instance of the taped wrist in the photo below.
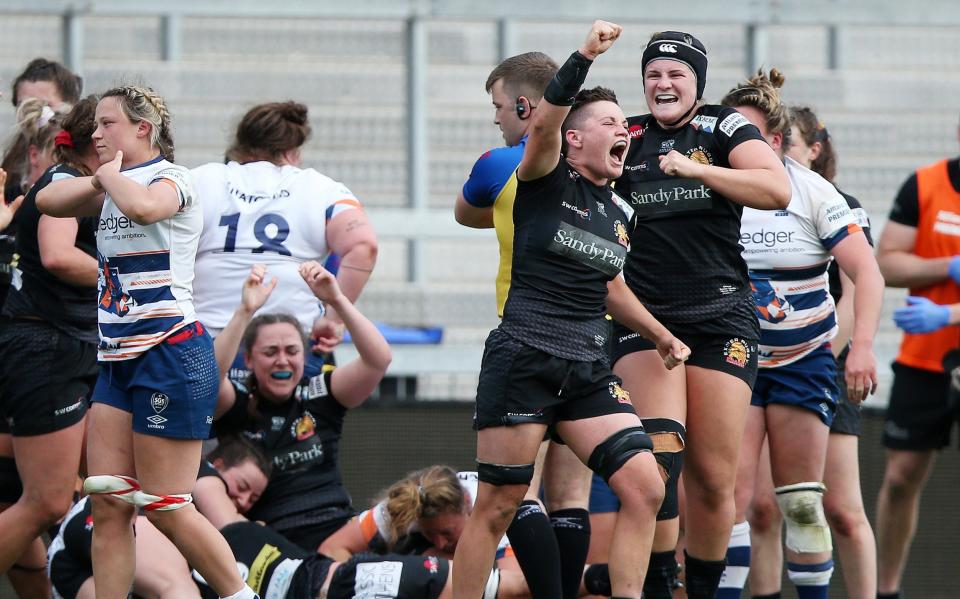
[564,86]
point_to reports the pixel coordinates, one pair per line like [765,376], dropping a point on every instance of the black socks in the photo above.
[534,544]
[703,577]
[572,529]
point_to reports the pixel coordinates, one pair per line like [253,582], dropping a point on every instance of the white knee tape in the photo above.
[121,487]
[493,584]
[165,503]
[802,508]
[128,489]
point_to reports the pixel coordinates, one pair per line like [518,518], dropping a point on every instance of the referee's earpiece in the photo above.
[522,110]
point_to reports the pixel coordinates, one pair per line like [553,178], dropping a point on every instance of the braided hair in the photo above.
[143,104]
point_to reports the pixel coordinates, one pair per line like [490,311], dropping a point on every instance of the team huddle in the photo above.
[683,291]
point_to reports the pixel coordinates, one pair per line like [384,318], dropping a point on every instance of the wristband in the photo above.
[564,86]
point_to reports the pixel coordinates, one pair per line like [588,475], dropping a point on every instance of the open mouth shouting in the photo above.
[618,151]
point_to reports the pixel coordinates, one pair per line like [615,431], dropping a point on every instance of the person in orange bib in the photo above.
[919,250]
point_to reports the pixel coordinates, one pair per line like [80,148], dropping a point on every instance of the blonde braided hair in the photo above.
[143,104]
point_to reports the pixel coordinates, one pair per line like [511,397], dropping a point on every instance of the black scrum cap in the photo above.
[682,47]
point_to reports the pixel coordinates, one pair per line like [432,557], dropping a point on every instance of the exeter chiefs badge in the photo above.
[619,393]
[303,427]
[700,155]
[737,352]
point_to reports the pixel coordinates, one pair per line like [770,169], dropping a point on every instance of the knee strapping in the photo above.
[504,474]
[612,454]
[668,442]
[128,489]
[802,507]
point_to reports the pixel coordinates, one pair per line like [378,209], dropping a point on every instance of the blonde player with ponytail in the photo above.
[427,509]
[158,373]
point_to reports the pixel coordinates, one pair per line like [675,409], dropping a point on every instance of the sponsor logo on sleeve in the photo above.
[317,387]
[733,122]
[863,219]
[837,212]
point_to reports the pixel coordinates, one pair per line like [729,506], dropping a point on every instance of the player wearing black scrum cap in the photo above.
[546,363]
[690,169]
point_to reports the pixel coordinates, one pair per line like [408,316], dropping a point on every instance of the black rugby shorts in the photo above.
[46,377]
[920,415]
[847,419]
[520,384]
[731,353]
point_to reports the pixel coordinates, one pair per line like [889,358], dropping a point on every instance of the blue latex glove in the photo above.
[954,269]
[921,316]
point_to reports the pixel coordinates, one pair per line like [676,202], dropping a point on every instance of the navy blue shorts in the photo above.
[809,383]
[171,389]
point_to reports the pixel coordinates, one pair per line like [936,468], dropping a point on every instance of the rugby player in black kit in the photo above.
[690,169]
[546,363]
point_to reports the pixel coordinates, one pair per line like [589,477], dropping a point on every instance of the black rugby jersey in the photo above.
[302,439]
[570,238]
[833,271]
[70,308]
[685,263]
[272,566]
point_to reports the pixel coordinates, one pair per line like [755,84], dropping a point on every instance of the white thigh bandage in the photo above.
[802,508]
[493,584]
[128,489]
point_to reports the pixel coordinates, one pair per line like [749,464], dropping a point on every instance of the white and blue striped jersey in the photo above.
[787,253]
[263,213]
[146,272]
